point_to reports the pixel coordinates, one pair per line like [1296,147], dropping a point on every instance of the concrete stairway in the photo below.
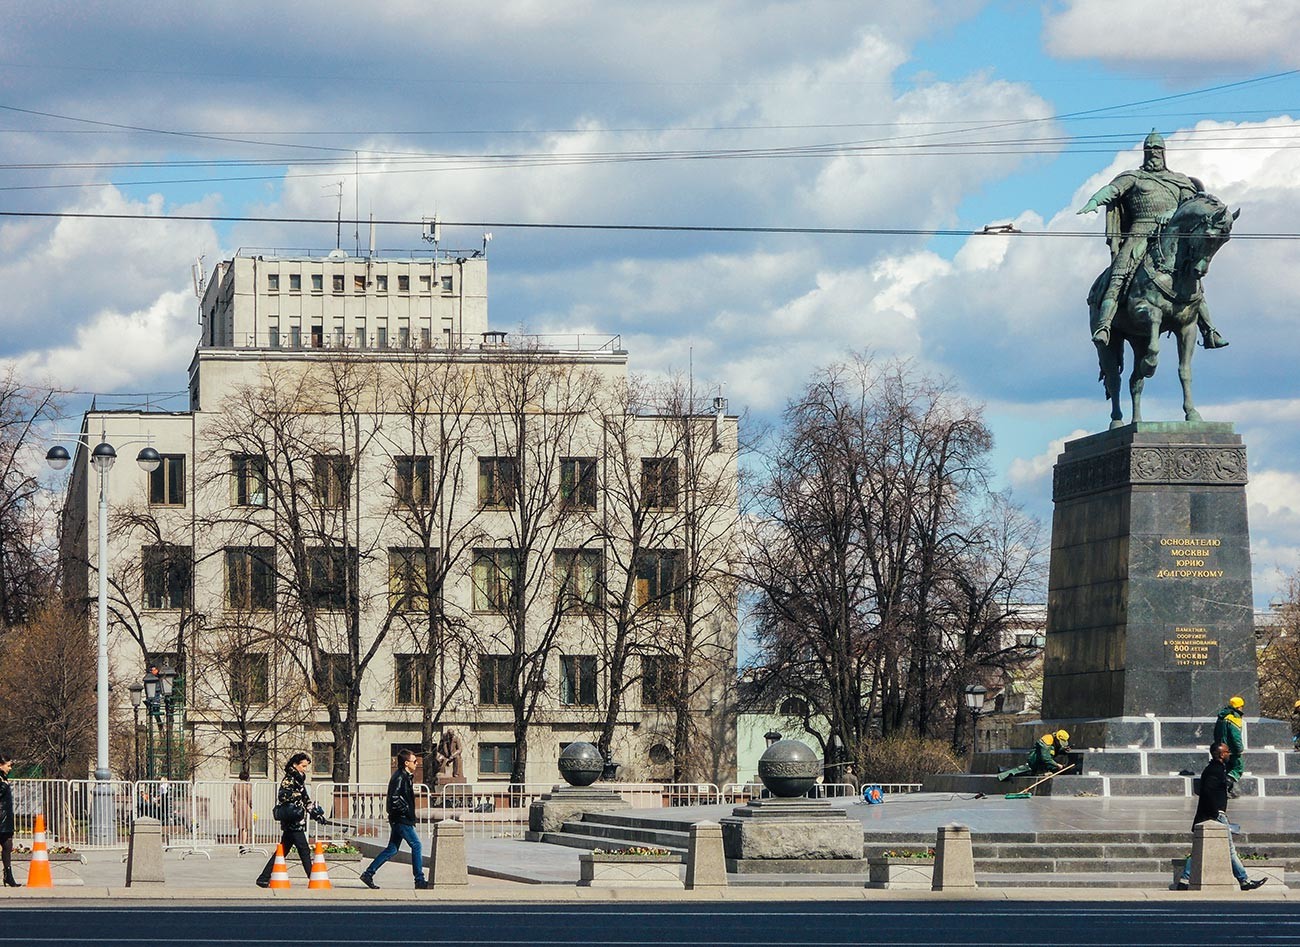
[1024,859]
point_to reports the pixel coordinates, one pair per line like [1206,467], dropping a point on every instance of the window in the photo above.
[295,282]
[577,679]
[496,483]
[496,575]
[317,337]
[317,282]
[413,485]
[167,483]
[358,284]
[424,283]
[337,283]
[404,337]
[658,679]
[408,678]
[659,483]
[409,575]
[333,678]
[329,586]
[338,337]
[295,337]
[578,579]
[166,571]
[381,337]
[403,283]
[496,759]
[381,283]
[426,338]
[322,759]
[578,482]
[275,337]
[252,755]
[446,284]
[330,476]
[658,583]
[249,679]
[496,683]
[793,707]
[272,282]
[250,578]
[359,336]
[248,479]
[660,754]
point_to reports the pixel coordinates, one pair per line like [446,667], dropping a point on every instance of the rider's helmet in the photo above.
[1153,142]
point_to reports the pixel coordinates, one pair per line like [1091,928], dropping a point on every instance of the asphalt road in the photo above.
[742,925]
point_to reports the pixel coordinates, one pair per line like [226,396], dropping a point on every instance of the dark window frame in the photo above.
[578,680]
[167,481]
[411,586]
[413,479]
[496,683]
[578,482]
[166,572]
[659,483]
[498,483]
[326,588]
[659,580]
[496,590]
[250,578]
[248,473]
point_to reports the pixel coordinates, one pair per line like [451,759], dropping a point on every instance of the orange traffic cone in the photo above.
[320,873]
[38,871]
[279,870]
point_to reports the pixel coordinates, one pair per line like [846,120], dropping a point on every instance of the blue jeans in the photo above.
[403,832]
[1238,869]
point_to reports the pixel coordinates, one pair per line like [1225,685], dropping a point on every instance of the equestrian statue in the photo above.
[1163,230]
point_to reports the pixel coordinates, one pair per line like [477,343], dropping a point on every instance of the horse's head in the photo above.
[1197,229]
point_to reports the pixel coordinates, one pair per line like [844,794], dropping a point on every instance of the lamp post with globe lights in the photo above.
[102,457]
[975,704]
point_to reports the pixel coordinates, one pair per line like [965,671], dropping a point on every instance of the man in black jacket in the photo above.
[401,818]
[1212,806]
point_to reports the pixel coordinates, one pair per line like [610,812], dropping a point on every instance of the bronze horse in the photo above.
[1163,295]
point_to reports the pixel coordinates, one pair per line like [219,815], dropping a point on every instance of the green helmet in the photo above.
[1153,142]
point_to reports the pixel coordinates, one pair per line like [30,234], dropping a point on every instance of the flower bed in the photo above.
[638,868]
[909,870]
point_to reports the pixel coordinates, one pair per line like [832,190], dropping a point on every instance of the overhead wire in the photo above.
[641,228]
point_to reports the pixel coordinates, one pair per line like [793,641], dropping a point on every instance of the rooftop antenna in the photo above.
[356,199]
[338,231]
[432,231]
[199,279]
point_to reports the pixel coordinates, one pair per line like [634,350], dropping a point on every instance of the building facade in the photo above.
[381,525]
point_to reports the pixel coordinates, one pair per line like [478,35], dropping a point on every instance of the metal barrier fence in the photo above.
[205,814]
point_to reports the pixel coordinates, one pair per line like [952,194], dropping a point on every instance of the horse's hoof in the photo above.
[1117,422]
[1192,415]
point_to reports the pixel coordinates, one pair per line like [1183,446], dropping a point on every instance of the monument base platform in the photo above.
[564,804]
[810,831]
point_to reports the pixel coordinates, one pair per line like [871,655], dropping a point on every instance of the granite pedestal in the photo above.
[792,835]
[564,804]
[1150,614]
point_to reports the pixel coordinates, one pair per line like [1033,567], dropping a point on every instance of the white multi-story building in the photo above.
[378,520]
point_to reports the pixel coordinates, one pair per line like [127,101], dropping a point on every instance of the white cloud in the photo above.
[1197,33]
[1030,474]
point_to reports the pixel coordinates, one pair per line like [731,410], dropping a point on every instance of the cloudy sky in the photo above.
[897,116]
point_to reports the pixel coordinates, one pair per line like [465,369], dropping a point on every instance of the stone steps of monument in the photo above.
[590,842]
[630,817]
[632,834]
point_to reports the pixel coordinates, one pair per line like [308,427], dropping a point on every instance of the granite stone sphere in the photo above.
[789,768]
[581,764]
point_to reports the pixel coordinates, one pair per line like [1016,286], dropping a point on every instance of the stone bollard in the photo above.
[447,859]
[706,865]
[144,854]
[1211,862]
[954,862]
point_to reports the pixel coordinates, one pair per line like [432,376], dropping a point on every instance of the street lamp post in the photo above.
[137,694]
[151,682]
[975,704]
[168,675]
[102,457]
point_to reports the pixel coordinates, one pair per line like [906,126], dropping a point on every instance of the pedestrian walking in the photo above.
[293,805]
[1212,806]
[241,807]
[7,820]
[400,803]
[1227,730]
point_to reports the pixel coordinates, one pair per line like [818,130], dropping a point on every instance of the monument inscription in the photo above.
[1190,558]
[1192,647]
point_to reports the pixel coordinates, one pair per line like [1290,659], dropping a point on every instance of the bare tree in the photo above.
[534,413]
[26,563]
[1279,657]
[47,692]
[864,528]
